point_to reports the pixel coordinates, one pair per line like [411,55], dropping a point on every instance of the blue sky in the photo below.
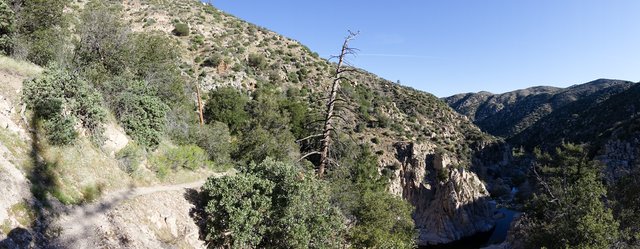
[455,46]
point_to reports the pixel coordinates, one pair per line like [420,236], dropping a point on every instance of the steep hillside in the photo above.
[387,116]
[510,113]
[42,184]
[592,118]
[149,60]
[609,123]
[231,52]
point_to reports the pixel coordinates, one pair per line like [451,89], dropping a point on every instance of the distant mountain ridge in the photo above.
[508,114]
[603,114]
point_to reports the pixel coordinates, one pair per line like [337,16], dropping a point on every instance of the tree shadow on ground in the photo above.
[197,212]
[45,188]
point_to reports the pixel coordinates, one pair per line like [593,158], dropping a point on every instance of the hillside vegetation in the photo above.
[602,115]
[115,101]
[510,113]
[102,97]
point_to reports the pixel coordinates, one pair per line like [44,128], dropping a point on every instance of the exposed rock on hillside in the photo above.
[451,202]
[378,112]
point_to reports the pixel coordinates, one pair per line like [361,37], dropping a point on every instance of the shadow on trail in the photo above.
[197,212]
[45,187]
[43,180]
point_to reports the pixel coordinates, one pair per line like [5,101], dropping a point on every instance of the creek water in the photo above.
[495,236]
[502,226]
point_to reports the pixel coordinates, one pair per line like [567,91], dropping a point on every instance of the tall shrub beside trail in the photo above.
[271,205]
[61,99]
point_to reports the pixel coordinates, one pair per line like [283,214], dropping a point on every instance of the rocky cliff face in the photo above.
[451,202]
[620,156]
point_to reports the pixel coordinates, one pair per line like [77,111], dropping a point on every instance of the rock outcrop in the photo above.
[451,202]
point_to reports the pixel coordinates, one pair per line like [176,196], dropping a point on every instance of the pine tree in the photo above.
[7,19]
[568,211]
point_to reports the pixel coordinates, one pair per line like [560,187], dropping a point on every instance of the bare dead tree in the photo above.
[330,116]
[200,108]
[197,85]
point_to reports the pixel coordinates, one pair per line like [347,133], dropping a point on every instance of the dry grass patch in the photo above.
[23,68]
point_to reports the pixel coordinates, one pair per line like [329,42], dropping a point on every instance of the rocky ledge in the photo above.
[451,202]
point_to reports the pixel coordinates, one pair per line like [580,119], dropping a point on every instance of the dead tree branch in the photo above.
[333,94]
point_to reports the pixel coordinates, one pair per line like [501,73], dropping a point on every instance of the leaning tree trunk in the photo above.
[329,116]
[197,85]
[200,109]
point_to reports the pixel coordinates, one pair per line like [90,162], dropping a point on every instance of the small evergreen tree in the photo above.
[568,210]
[227,105]
[180,29]
[42,30]
[626,194]
[7,19]
[381,220]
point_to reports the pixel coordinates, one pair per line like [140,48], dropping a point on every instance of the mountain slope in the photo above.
[373,107]
[590,119]
[226,51]
[289,64]
[510,113]
[610,124]
[424,147]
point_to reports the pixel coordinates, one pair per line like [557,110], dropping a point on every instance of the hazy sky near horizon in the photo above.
[456,46]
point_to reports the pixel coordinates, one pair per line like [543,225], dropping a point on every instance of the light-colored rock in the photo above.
[116,138]
[449,207]
[620,157]
[13,184]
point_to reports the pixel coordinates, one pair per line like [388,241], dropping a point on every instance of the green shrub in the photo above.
[91,192]
[162,170]
[384,221]
[238,208]
[215,139]
[189,157]
[130,157]
[60,130]
[212,61]
[6,27]
[237,67]
[149,21]
[227,105]
[293,77]
[443,175]
[180,29]
[60,98]
[257,61]
[380,220]
[197,40]
[271,205]
[140,112]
